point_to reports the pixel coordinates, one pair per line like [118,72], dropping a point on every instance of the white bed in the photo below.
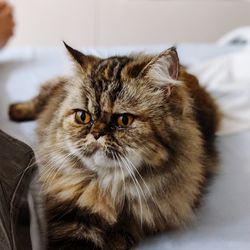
[224,220]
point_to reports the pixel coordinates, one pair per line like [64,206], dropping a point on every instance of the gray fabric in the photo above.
[16,171]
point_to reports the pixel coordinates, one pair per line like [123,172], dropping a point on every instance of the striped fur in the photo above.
[108,193]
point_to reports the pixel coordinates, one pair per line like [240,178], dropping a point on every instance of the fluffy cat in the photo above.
[126,149]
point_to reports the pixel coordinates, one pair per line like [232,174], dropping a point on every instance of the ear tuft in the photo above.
[173,62]
[164,68]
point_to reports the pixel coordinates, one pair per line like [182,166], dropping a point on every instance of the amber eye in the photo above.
[82,117]
[124,120]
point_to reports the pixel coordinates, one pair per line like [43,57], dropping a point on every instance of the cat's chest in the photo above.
[134,195]
[106,196]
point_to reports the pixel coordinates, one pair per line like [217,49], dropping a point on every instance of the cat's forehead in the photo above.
[112,83]
[111,76]
[118,68]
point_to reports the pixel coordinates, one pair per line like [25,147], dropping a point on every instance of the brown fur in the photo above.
[149,177]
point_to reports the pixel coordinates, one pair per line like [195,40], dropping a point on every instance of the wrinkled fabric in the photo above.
[227,78]
[16,171]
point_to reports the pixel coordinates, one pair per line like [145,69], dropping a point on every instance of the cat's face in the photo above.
[116,111]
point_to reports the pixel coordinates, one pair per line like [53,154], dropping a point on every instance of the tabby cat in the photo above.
[126,149]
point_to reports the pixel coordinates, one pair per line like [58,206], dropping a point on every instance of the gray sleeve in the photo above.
[17,169]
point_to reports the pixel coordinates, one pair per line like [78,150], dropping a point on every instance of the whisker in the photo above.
[145,184]
[123,176]
[135,183]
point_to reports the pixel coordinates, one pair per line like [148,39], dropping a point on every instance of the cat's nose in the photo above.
[97,135]
[98,130]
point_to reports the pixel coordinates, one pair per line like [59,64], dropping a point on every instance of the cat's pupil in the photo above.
[83,116]
[125,119]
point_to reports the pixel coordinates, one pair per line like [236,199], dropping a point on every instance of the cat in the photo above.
[126,149]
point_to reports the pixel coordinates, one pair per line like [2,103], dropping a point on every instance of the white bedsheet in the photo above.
[227,77]
[224,220]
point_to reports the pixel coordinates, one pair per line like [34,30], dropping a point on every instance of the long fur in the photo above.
[110,192]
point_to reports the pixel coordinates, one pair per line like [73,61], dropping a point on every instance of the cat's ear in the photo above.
[84,61]
[164,68]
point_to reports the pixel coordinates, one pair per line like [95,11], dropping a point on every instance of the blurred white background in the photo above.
[125,22]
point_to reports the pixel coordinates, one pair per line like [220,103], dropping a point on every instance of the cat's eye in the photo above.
[82,117]
[124,120]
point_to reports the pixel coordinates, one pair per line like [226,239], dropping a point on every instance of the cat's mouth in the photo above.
[99,147]
[97,158]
